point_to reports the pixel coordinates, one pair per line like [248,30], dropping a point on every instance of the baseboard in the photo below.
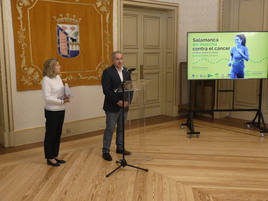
[34,135]
[243,115]
[30,138]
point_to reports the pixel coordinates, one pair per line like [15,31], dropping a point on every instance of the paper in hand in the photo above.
[67,91]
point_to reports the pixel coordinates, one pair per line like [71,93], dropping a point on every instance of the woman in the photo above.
[238,55]
[53,92]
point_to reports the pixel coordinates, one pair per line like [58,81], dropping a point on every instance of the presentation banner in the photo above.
[227,55]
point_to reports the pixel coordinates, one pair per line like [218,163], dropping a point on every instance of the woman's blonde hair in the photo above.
[49,68]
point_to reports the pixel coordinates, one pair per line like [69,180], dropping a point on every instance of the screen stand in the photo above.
[257,122]
[190,123]
[260,124]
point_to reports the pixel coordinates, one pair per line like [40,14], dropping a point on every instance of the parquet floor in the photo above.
[224,164]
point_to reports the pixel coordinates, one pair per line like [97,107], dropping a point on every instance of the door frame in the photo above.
[8,127]
[174,7]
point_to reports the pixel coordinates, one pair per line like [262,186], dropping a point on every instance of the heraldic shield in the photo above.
[68,40]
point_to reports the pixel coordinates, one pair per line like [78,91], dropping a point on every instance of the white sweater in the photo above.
[53,92]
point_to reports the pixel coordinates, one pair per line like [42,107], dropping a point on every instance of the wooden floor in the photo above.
[225,164]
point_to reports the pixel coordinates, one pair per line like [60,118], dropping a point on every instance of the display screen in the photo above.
[227,55]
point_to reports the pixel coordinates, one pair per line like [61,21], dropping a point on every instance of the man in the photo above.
[112,78]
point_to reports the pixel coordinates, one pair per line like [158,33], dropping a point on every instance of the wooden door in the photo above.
[146,48]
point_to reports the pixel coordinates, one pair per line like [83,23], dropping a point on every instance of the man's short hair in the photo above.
[114,53]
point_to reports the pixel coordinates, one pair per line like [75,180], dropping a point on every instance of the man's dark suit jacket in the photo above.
[110,83]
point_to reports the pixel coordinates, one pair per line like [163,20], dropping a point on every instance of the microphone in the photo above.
[131,69]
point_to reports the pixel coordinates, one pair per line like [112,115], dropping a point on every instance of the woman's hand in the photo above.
[66,100]
[240,51]
[244,55]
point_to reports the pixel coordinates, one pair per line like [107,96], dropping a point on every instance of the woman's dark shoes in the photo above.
[118,151]
[49,162]
[107,156]
[60,161]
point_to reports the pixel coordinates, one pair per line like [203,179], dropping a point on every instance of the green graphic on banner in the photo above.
[228,55]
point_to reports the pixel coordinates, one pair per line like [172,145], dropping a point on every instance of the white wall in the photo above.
[194,15]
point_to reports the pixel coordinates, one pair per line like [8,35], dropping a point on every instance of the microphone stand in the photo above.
[123,163]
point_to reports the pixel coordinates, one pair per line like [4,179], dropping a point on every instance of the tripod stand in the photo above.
[190,123]
[123,163]
[260,124]
[257,122]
